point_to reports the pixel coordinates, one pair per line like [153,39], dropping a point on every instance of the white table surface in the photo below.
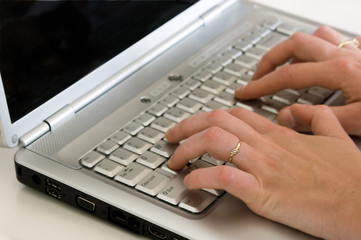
[27,214]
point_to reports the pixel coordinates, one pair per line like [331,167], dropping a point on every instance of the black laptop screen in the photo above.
[46,46]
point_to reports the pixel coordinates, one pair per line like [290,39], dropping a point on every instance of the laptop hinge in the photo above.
[49,124]
[215,11]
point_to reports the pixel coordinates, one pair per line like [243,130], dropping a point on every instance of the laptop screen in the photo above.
[46,46]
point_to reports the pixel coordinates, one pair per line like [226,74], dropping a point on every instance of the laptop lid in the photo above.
[53,66]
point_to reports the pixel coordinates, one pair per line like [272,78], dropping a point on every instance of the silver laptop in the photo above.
[89,89]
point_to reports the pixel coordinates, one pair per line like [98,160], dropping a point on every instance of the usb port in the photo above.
[53,193]
[53,184]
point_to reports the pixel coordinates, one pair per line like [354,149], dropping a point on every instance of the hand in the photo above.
[311,183]
[316,60]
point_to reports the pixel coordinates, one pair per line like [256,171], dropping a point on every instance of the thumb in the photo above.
[319,119]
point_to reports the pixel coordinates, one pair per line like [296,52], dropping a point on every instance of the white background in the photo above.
[25,214]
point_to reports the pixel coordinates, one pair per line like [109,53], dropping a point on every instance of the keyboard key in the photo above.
[225,98]
[108,168]
[189,105]
[284,97]
[175,191]
[120,137]
[244,79]
[272,105]
[261,31]
[256,53]
[91,159]
[296,92]
[253,38]
[228,56]
[132,174]
[233,87]
[234,69]
[213,87]
[197,201]
[201,95]
[169,100]
[158,109]
[287,28]
[151,159]
[107,147]
[181,92]
[246,61]
[203,75]
[145,119]
[123,156]
[232,53]
[270,41]
[164,148]
[165,168]
[243,45]
[176,114]
[137,145]
[320,92]
[225,77]
[153,183]
[272,22]
[162,124]
[214,67]
[309,99]
[150,135]
[212,105]
[192,84]
[250,105]
[133,128]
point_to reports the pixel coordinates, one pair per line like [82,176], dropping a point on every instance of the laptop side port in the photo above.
[53,193]
[51,183]
[125,220]
[156,232]
[85,204]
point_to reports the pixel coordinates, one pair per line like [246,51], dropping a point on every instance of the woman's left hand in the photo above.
[309,182]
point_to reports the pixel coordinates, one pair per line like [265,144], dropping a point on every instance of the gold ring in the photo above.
[354,41]
[234,152]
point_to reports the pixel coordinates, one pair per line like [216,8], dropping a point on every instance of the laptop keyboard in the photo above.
[137,155]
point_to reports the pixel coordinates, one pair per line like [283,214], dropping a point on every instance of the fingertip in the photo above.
[239,92]
[286,118]
[169,135]
[187,181]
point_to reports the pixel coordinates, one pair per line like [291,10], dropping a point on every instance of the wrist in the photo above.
[348,220]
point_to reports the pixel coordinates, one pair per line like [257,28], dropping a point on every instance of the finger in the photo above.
[218,118]
[295,76]
[241,184]
[215,141]
[261,124]
[319,119]
[349,117]
[301,46]
[329,34]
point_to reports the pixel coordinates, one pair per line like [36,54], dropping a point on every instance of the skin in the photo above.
[308,182]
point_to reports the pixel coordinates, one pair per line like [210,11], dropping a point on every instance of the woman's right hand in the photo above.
[316,61]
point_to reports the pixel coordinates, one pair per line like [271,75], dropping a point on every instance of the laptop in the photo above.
[90,87]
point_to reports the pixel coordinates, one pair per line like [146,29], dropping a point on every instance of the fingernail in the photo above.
[287,118]
[168,133]
[170,163]
[240,88]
